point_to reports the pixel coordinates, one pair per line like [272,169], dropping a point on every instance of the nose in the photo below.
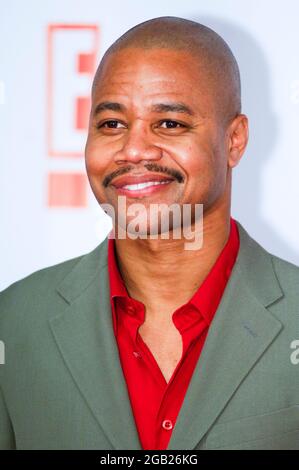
[138,145]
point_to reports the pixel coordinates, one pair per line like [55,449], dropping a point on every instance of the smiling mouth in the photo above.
[138,186]
[142,188]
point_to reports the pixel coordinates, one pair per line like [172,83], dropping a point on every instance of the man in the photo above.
[142,343]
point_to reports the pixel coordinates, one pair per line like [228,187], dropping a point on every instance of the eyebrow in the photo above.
[172,107]
[157,108]
[108,105]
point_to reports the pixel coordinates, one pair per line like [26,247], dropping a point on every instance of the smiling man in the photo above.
[142,343]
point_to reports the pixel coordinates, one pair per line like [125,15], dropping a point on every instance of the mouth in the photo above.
[139,186]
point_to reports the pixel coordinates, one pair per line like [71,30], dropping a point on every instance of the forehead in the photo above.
[142,74]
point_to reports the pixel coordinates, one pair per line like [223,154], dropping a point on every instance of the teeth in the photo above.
[134,187]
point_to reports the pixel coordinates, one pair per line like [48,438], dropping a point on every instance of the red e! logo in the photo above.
[72,54]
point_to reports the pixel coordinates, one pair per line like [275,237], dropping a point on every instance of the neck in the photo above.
[167,274]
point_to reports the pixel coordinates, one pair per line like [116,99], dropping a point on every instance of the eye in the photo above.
[171,124]
[112,124]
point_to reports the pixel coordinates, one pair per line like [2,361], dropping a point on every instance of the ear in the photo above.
[237,139]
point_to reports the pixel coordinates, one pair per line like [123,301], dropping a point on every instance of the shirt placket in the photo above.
[166,420]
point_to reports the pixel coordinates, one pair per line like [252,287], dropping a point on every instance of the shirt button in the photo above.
[167,424]
[137,354]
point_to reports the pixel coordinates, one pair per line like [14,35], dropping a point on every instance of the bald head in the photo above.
[215,60]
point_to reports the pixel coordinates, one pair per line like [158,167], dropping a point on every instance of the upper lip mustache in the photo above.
[135,179]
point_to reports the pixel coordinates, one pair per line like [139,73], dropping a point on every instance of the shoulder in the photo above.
[287,275]
[286,268]
[263,268]
[34,298]
[37,283]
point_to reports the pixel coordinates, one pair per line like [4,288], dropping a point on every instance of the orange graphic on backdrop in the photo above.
[69,189]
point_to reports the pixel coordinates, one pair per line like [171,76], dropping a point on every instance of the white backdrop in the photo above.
[264,36]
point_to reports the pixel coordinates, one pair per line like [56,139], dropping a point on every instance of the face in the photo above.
[155,135]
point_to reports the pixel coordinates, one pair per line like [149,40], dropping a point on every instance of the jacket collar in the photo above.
[253,260]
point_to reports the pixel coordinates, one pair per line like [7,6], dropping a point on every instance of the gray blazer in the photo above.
[62,385]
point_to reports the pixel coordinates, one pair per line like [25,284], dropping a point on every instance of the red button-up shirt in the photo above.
[156,403]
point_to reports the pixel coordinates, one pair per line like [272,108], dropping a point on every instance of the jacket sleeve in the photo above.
[7,439]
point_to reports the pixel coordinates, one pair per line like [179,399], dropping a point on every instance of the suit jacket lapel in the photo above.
[85,337]
[241,331]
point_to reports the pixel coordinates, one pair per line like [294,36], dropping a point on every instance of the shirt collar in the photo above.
[209,293]
[207,298]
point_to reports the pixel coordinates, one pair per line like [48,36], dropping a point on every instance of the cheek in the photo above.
[198,161]
[202,164]
[96,158]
